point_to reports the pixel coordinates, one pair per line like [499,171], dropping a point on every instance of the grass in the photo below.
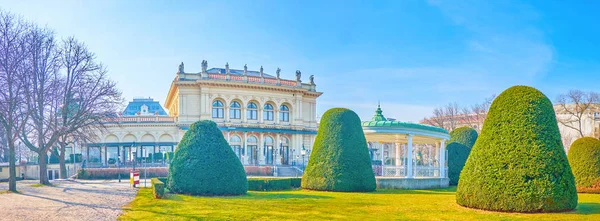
[311,205]
[40,185]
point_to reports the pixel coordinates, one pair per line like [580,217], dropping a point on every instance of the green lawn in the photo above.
[311,205]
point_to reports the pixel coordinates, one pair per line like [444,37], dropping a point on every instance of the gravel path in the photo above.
[67,200]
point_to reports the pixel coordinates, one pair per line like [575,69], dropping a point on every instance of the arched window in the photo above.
[252,111]
[284,113]
[269,150]
[252,140]
[235,111]
[236,145]
[217,110]
[253,150]
[235,139]
[268,112]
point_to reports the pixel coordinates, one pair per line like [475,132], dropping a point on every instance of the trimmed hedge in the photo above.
[204,164]
[464,135]
[461,141]
[158,188]
[457,157]
[113,173]
[271,184]
[518,163]
[258,170]
[340,159]
[584,157]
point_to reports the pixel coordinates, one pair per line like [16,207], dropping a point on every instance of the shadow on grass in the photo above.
[268,195]
[587,208]
[445,191]
[254,196]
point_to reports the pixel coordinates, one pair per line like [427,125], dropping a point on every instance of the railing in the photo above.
[217,76]
[394,171]
[255,79]
[138,119]
[287,83]
[401,171]
[422,171]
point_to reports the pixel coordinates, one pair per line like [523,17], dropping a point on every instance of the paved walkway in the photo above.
[67,200]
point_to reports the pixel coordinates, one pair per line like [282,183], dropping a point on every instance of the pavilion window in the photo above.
[252,111]
[268,112]
[218,110]
[235,111]
[284,113]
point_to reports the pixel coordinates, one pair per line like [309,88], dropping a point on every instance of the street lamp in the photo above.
[162,150]
[144,164]
[134,151]
[119,164]
[303,152]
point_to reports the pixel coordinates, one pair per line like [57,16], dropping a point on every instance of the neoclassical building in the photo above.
[266,119]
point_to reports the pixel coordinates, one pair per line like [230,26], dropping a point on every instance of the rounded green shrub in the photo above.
[584,157]
[204,164]
[461,141]
[464,135]
[518,163]
[340,159]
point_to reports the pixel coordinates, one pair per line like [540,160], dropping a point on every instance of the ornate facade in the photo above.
[267,120]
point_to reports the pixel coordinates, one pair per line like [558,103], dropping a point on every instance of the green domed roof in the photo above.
[380,121]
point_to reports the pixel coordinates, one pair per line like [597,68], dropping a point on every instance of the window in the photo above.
[268,112]
[252,111]
[217,110]
[284,113]
[235,111]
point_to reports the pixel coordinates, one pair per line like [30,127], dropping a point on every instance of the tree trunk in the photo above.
[12,177]
[61,158]
[43,168]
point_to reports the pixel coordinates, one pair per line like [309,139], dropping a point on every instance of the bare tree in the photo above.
[479,111]
[438,119]
[575,107]
[42,96]
[12,61]
[89,97]
[452,111]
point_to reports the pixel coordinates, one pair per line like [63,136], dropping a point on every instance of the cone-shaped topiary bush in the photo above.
[518,163]
[340,158]
[204,164]
[584,157]
[461,141]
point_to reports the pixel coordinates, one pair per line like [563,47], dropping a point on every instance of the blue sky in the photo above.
[412,55]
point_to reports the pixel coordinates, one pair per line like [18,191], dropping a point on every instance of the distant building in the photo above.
[266,119]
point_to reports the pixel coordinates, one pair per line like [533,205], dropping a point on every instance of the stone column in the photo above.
[443,159]
[260,114]
[409,157]
[277,147]
[225,113]
[261,149]
[398,158]
[245,155]
[244,110]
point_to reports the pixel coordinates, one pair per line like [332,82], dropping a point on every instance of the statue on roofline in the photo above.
[227,68]
[298,75]
[204,65]
[181,68]
[261,71]
[245,69]
[278,71]
[312,79]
